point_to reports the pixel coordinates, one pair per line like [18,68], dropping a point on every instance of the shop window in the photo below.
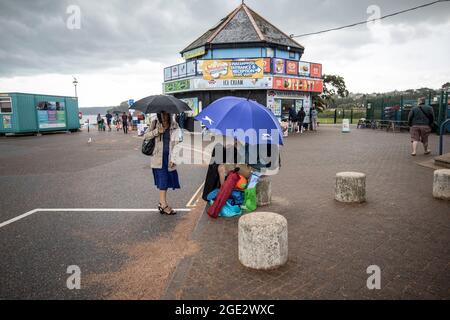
[5,105]
[291,55]
[51,105]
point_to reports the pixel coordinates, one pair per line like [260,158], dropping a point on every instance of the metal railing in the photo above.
[442,134]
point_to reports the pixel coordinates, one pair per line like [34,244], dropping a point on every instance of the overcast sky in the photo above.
[122,46]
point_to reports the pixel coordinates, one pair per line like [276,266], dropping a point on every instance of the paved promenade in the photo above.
[142,255]
[401,228]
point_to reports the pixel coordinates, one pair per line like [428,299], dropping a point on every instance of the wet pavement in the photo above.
[142,255]
[64,171]
[401,228]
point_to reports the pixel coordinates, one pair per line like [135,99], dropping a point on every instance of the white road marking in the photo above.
[190,204]
[106,210]
[29,213]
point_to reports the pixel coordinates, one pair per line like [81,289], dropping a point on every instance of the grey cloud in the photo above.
[35,39]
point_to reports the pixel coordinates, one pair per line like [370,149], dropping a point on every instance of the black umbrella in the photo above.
[160,103]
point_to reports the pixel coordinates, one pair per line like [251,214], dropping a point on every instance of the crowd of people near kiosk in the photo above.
[121,121]
[297,121]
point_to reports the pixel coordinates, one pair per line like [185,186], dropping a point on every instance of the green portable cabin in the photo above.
[34,113]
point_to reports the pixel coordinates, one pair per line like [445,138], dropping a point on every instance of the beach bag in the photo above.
[212,195]
[236,197]
[250,202]
[230,211]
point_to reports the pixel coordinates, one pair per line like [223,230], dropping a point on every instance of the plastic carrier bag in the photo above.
[250,201]
[229,210]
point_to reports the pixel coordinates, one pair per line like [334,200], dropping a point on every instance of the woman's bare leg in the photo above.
[222,173]
[163,198]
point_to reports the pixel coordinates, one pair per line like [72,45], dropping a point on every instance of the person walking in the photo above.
[99,122]
[117,122]
[130,120]
[125,123]
[163,130]
[301,115]
[420,120]
[108,120]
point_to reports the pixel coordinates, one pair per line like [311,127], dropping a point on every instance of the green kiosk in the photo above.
[35,113]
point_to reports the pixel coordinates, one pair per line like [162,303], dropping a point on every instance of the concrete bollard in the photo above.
[350,187]
[264,192]
[441,185]
[263,240]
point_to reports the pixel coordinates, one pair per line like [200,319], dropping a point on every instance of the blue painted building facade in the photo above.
[245,55]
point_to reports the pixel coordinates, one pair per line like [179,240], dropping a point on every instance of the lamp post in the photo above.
[75,82]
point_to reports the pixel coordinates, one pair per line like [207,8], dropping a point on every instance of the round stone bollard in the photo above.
[441,185]
[263,240]
[264,192]
[350,187]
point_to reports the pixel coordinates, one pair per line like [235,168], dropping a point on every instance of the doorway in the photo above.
[286,105]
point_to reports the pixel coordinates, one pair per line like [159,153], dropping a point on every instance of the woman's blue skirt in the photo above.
[165,179]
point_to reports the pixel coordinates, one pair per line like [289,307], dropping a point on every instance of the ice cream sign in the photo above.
[233,69]
[298,84]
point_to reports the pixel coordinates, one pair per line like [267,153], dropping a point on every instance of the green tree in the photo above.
[446,86]
[333,87]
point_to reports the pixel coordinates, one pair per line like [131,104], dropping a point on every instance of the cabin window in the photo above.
[5,105]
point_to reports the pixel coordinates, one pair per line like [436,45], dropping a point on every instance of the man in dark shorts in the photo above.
[420,120]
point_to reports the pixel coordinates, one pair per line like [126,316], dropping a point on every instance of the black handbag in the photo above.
[148,145]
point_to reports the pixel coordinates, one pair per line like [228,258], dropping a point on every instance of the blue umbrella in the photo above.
[235,116]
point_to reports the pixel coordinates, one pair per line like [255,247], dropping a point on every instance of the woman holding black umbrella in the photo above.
[163,130]
[165,175]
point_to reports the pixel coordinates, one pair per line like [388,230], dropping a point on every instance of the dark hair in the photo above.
[159,115]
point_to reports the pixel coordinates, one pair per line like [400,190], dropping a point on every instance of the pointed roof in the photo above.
[244,25]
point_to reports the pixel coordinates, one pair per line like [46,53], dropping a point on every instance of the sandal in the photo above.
[163,211]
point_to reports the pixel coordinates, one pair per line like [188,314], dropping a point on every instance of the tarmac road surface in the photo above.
[65,171]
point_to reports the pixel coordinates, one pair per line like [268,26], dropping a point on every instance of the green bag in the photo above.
[250,202]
